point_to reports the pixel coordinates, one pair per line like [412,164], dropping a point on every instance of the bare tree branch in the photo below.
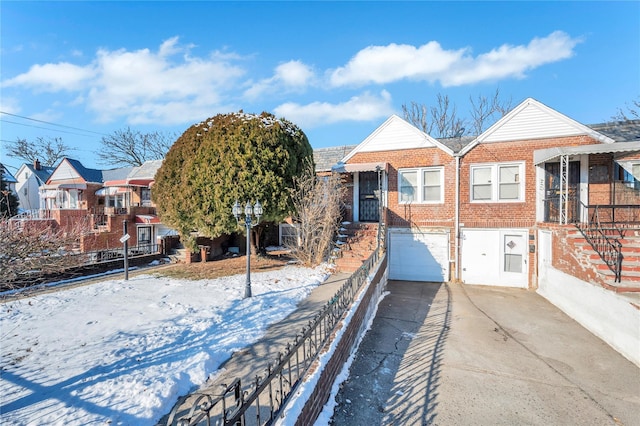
[443,121]
[418,115]
[445,117]
[317,201]
[485,111]
[630,112]
[46,150]
[32,248]
[132,147]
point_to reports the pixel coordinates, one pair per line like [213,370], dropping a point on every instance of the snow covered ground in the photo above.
[121,352]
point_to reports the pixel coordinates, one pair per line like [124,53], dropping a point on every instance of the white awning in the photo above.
[550,154]
[359,167]
[110,190]
[65,186]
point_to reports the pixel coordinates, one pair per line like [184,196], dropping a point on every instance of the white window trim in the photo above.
[495,167]
[420,184]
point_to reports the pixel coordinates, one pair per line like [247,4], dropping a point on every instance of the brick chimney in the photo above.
[36,165]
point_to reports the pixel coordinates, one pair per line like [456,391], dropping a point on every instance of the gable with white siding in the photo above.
[396,134]
[65,171]
[533,120]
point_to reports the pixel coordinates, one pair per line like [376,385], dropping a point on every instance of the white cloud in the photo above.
[511,61]
[364,107]
[62,76]
[9,104]
[170,86]
[141,86]
[292,76]
[429,62]
[385,64]
[146,84]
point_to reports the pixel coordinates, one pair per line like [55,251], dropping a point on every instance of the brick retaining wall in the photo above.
[320,395]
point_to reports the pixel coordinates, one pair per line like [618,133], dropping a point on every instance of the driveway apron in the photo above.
[452,354]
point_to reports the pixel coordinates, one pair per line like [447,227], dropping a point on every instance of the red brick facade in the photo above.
[415,214]
[520,214]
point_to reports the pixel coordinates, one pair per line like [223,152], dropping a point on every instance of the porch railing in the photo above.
[615,215]
[608,247]
[552,213]
[260,402]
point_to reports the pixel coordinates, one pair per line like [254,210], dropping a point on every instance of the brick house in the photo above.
[471,209]
[103,200]
[406,178]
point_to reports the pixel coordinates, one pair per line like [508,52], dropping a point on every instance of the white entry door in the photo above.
[418,256]
[495,257]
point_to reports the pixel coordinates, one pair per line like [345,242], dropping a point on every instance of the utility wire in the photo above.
[47,128]
[47,122]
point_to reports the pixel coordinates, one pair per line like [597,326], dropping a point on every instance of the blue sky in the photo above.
[336,69]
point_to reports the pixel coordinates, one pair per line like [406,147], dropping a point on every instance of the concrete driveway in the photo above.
[453,354]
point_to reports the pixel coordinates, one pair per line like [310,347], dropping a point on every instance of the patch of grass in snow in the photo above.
[222,268]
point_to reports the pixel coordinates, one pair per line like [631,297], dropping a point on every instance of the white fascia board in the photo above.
[427,140]
[580,128]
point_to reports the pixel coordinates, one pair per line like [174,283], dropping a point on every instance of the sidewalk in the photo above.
[458,355]
[253,360]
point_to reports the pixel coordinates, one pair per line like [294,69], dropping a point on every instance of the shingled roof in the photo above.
[325,158]
[619,131]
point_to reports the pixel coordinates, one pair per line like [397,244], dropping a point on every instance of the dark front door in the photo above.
[552,192]
[369,206]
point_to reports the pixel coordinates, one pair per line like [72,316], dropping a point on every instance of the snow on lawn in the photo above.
[121,352]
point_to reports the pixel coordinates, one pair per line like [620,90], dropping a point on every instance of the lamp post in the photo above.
[249,212]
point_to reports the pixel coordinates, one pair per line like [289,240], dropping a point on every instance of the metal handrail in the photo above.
[285,374]
[608,248]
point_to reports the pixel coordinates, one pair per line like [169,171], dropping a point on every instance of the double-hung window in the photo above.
[497,182]
[424,185]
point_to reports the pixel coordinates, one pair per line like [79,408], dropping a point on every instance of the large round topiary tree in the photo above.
[229,157]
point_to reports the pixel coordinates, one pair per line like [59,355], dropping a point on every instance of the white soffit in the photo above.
[534,120]
[396,134]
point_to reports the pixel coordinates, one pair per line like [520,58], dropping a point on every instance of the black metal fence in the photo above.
[65,266]
[260,402]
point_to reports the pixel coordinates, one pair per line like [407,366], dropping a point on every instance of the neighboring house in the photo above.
[104,201]
[8,178]
[127,196]
[470,209]
[30,178]
[11,182]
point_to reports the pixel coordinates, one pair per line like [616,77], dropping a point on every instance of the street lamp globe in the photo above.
[237,210]
[249,212]
[257,210]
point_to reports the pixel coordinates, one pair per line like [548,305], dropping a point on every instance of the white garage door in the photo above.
[418,256]
[495,257]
